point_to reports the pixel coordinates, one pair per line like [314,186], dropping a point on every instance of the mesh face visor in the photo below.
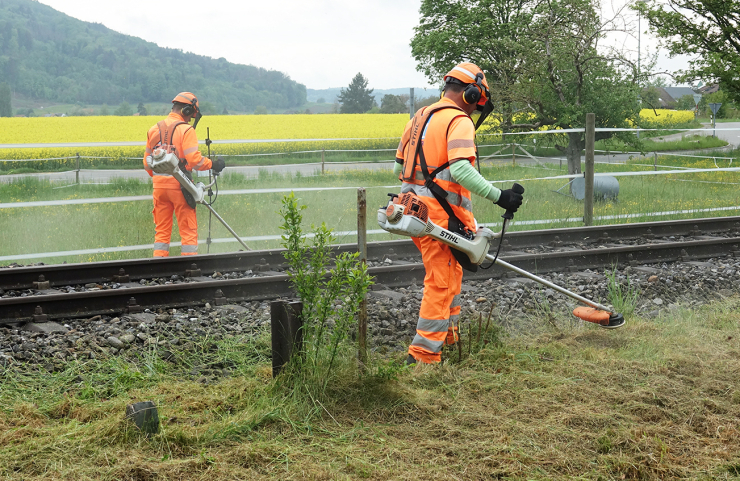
[481,113]
[198,115]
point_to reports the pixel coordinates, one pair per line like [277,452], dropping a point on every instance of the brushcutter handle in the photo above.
[517,189]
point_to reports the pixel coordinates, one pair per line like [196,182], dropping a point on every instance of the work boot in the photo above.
[410,361]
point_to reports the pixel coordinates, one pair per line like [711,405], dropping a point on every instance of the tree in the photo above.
[685,102]
[542,59]
[392,104]
[6,106]
[124,110]
[141,109]
[356,98]
[707,30]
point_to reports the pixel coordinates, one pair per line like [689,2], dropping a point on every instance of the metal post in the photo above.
[77,169]
[411,103]
[362,249]
[513,154]
[588,200]
[655,161]
[286,326]
[322,161]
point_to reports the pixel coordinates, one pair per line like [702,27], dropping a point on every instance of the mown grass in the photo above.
[32,230]
[657,399]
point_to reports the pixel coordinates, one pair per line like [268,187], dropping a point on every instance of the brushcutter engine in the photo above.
[164,162]
[407,215]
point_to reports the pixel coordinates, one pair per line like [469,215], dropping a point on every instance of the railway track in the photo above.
[43,293]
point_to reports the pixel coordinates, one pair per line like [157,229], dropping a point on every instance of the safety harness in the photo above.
[169,134]
[416,149]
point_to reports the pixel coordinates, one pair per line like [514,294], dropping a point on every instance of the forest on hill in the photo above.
[48,56]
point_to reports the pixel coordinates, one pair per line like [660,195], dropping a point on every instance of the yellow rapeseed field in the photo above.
[232,127]
[665,117]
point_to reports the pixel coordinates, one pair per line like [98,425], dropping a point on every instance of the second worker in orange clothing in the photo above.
[176,133]
[435,159]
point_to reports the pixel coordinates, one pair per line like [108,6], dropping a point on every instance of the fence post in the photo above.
[655,161]
[77,169]
[588,200]
[322,161]
[362,249]
[513,154]
[286,326]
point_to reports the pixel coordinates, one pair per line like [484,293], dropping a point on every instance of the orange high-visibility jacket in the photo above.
[186,147]
[449,136]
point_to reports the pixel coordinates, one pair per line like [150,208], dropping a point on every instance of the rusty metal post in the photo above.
[588,200]
[286,326]
[362,249]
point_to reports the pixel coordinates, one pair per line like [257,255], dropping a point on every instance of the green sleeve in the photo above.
[397,169]
[465,174]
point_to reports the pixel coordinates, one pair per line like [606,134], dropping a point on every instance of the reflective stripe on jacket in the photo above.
[185,142]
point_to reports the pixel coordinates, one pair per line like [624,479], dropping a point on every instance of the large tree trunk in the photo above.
[573,152]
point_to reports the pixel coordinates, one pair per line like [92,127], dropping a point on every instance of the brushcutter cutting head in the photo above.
[605,319]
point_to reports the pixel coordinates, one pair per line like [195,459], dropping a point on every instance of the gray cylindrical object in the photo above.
[605,187]
[145,416]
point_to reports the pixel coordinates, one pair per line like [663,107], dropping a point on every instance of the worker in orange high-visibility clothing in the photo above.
[435,159]
[176,132]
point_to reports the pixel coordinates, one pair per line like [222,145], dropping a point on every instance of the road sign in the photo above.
[697,99]
[715,107]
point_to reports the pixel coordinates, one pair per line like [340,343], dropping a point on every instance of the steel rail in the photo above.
[19,278]
[134,297]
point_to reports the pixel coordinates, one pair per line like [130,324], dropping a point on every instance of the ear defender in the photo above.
[189,109]
[472,93]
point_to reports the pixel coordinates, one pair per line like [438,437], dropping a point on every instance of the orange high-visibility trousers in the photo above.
[440,305]
[167,202]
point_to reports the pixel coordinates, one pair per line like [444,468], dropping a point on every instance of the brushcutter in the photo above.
[162,161]
[406,214]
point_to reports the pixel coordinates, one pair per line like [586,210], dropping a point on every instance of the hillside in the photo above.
[47,55]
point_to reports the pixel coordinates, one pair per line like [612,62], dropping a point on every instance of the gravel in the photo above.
[516,304]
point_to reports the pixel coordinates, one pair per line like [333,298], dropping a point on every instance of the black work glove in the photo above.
[509,200]
[219,164]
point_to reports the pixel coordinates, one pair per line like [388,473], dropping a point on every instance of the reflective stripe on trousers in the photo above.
[166,203]
[442,283]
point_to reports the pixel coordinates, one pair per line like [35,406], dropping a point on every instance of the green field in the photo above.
[30,230]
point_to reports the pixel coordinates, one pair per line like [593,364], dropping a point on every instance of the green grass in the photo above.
[657,399]
[90,226]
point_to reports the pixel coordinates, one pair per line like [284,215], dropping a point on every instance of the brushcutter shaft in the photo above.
[228,227]
[549,284]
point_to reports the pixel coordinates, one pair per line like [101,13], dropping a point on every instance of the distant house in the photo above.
[668,96]
[708,89]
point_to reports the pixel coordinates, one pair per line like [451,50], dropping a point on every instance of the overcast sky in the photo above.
[319,43]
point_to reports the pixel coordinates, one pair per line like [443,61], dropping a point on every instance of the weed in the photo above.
[622,295]
[331,297]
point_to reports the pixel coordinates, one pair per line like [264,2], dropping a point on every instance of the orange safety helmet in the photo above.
[191,105]
[476,92]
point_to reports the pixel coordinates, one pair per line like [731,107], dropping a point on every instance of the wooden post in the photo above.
[362,249]
[286,326]
[655,161]
[77,169]
[513,154]
[588,200]
[322,161]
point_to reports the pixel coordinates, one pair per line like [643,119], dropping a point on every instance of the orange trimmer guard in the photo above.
[590,314]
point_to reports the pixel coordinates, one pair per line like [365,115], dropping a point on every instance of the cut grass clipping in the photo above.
[656,400]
